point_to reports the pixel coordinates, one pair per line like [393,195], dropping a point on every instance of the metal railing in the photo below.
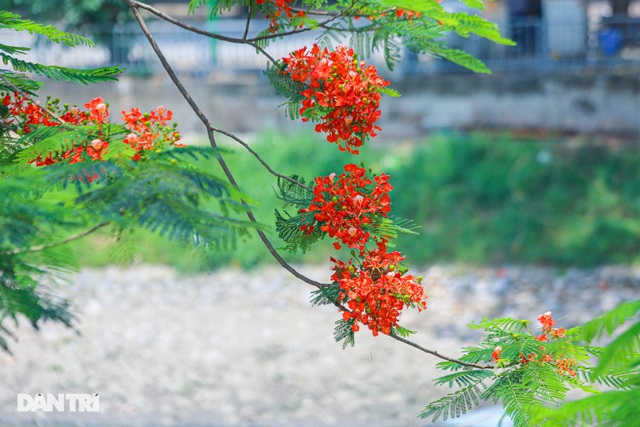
[543,47]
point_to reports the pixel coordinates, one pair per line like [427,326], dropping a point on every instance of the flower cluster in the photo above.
[378,290]
[348,208]
[564,365]
[410,15]
[495,354]
[342,94]
[346,205]
[282,7]
[547,322]
[381,13]
[148,131]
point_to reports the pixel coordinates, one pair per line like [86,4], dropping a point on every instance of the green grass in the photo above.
[480,198]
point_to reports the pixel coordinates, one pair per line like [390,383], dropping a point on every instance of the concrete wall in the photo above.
[246,103]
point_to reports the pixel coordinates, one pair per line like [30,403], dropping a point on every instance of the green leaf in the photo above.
[388,91]
[476,4]
[15,22]
[62,73]
[454,404]
[344,332]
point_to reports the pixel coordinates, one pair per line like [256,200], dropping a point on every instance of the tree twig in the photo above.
[246,28]
[212,141]
[436,354]
[261,160]
[58,243]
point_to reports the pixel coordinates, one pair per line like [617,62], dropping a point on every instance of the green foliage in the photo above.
[163,193]
[23,221]
[76,14]
[495,198]
[166,195]
[93,17]
[285,86]
[618,367]
[289,226]
[344,332]
[60,73]
[325,296]
[20,296]
[479,198]
[17,77]
[14,22]
[217,6]
[529,378]
[455,404]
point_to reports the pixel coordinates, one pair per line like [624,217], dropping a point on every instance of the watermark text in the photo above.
[61,402]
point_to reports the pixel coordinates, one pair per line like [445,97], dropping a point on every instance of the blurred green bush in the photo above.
[480,198]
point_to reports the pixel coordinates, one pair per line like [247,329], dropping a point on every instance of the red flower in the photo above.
[98,110]
[341,93]
[376,292]
[565,366]
[546,321]
[149,131]
[346,206]
[281,6]
[495,354]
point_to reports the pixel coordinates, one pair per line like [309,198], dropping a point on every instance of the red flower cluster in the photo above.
[409,14]
[495,354]
[547,323]
[376,292]
[281,6]
[148,130]
[564,365]
[341,93]
[346,208]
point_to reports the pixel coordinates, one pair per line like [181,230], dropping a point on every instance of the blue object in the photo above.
[611,40]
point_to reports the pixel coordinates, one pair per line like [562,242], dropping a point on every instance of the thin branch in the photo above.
[264,52]
[421,348]
[136,4]
[441,356]
[28,98]
[246,28]
[210,134]
[249,41]
[261,160]
[58,243]
[203,118]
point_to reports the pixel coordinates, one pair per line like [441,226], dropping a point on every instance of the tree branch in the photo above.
[261,160]
[212,141]
[248,41]
[436,354]
[58,243]
[246,28]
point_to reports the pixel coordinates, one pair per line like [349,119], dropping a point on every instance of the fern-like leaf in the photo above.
[325,296]
[344,332]
[16,23]
[62,73]
[454,404]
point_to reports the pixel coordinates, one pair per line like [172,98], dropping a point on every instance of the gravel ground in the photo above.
[235,348]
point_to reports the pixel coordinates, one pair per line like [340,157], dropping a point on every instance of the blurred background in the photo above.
[525,183]
[534,163]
